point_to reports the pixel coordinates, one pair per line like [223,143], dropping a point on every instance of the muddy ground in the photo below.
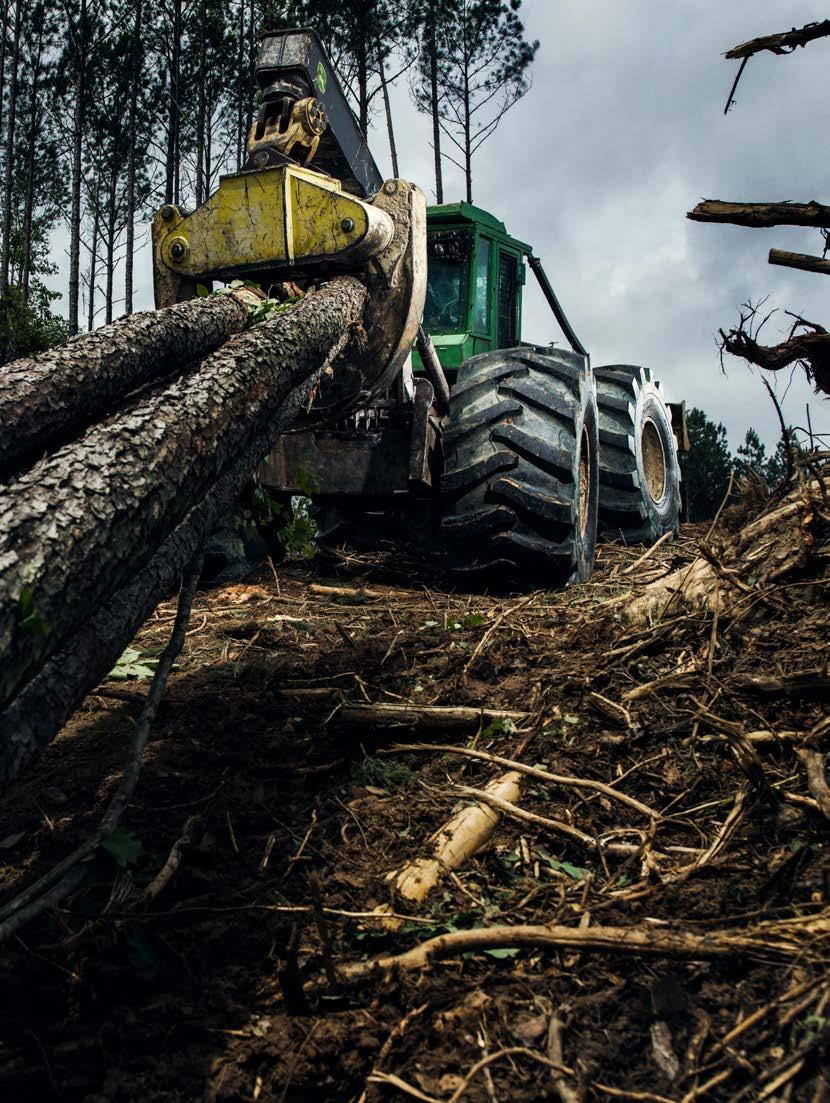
[224,983]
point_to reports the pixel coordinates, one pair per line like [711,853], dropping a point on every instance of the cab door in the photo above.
[507,332]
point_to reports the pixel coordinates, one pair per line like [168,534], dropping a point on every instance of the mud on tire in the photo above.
[639,476]
[519,491]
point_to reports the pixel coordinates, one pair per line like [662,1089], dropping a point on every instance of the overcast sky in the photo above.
[622,132]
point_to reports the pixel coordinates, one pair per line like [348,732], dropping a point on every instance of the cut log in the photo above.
[46,399]
[45,704]
[426,717]
[802,261]
[761,214]
[79,525]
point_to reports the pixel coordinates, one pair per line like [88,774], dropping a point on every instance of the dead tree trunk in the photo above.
[80,524]
[44,400]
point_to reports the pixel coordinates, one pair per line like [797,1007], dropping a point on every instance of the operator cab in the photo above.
[475,275]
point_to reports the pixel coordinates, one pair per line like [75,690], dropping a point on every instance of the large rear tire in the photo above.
[639,476]
[521,468]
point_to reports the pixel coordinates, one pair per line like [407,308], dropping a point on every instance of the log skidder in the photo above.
[521,465]
[639,475]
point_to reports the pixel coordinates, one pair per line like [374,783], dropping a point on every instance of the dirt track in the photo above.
[220,987]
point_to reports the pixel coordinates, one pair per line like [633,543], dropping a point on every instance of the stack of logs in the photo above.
[118,453]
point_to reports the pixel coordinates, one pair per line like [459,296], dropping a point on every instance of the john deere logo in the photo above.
[320,78]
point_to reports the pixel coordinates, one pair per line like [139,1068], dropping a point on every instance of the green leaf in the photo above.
[474,620]
[502,952]
[124,847]
[202,291]
[128,666]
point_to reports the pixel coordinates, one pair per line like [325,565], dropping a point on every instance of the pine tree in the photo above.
[707,469]
[474,67]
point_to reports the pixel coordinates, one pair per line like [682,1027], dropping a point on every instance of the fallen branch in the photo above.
[428,717]
[803,938]
[530,771]
[816,780]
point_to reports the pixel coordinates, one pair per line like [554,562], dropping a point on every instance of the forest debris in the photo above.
[173,859]
[816,780]
[427,717]
[530,771]
[784,940]
[777,542]
[454,843]
[616,714]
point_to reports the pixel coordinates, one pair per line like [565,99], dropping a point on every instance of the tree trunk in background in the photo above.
[136,59]
[110,242]
[93,264]
[4,14]
[241,73]
[201,188]
[29,187]
[8,176]
[393,149]
[436,121]
[81,523]
[45,399]
[78,118]
[171,187]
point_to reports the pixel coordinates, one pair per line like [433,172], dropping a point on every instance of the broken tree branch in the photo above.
[760,215]
[802,261]
[784,42]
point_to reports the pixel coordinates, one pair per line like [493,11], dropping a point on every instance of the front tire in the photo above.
[521,468]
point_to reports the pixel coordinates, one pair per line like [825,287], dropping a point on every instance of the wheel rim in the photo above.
[654,461]
[584,483]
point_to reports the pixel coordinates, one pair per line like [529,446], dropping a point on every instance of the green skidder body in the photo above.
[475,276]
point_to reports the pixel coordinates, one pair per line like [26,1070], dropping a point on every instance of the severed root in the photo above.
[453,844]
[782,941]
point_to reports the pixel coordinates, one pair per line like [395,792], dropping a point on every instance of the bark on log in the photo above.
[802,261]
[784,42]
[45,704]
[47,399]
[79,525]
[761,214]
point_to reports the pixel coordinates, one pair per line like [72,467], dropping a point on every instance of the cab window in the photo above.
[481,304]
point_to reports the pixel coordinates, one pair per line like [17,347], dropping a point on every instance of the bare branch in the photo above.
[785,42]
[809,348]
[801,261]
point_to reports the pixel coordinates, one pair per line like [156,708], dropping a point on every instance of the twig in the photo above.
[67,874]
[173,859]
[530,771]
[482,643]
